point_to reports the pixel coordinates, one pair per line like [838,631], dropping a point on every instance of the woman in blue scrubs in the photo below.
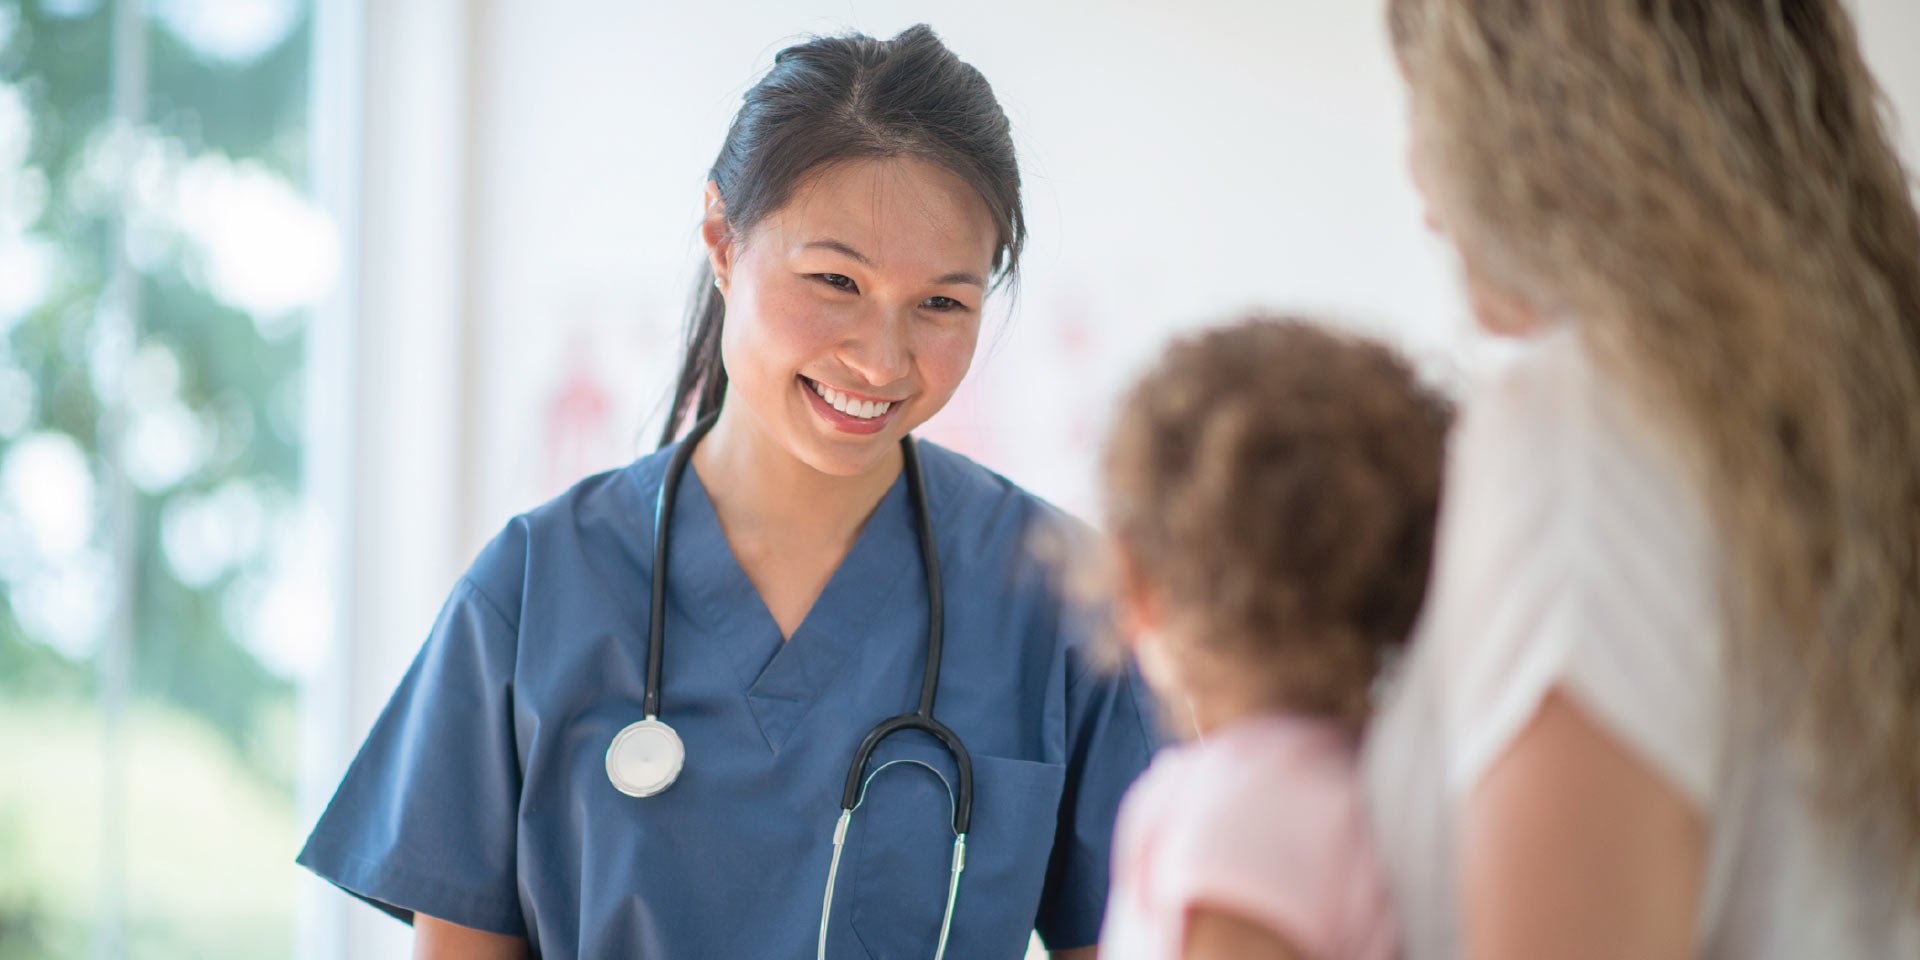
[865,202]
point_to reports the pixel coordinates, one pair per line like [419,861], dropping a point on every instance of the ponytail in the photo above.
[703,378]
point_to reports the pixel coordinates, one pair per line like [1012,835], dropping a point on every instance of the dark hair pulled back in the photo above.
[835,99]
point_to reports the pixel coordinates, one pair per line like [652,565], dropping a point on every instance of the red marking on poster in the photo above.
[578,418]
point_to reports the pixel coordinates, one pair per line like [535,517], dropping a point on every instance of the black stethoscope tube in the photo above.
[662,509]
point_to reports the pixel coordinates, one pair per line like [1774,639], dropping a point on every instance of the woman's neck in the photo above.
[762,491]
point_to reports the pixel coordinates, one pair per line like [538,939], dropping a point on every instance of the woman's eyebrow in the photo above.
[847,250]
[828,243]
[960,276]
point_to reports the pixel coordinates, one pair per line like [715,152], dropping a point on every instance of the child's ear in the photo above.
[1140,609]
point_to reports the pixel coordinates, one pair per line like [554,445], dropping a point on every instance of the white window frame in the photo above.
[388,383]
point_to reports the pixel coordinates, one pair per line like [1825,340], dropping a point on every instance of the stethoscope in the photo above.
[646,757]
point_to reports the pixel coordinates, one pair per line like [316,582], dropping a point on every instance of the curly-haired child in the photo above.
[1271,490]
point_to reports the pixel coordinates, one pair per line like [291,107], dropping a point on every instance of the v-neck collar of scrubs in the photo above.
[782,679]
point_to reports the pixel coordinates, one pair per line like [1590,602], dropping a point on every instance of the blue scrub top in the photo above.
[481,796]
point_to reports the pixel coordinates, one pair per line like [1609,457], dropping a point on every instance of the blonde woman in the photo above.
[1665,699]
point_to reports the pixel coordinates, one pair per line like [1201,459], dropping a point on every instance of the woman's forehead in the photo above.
[892,211]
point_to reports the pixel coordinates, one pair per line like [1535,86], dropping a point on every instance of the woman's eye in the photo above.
[837,281]
[943,304]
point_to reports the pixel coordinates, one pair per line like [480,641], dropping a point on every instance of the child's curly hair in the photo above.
[1277,484]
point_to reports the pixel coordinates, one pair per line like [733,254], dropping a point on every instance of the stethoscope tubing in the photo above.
[921,719]
[657,607]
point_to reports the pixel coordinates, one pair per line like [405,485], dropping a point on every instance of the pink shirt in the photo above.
[1264,819]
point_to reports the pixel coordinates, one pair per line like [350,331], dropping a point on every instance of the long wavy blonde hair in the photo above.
[1709,186]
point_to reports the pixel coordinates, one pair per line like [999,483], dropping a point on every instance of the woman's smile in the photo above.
[847,411]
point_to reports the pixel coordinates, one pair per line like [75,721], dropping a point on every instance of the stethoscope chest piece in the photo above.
[645,758]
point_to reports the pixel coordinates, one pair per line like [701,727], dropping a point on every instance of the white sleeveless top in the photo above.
[1575,551]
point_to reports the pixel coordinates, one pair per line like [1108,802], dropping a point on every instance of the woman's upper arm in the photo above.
[1573,846]
[440,940]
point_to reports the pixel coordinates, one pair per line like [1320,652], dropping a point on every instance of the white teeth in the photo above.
[864,409]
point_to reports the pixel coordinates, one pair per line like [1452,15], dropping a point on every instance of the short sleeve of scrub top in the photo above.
[481,797]
[1109,735]
[446,733]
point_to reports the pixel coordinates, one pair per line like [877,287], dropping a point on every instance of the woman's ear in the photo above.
[1498,310]
[717,234]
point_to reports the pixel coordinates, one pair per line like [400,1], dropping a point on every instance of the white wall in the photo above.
[1890,32]
[1181,162]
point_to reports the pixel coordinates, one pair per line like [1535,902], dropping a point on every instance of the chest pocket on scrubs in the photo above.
[902,850]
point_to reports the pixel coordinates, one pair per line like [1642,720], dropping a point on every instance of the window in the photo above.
[159,254]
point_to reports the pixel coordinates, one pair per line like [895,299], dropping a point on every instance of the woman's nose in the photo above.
[880,349]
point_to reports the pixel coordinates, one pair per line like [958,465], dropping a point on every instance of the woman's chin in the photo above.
[848,457]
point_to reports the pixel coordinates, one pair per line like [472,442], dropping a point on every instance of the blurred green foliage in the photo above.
[203,698]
